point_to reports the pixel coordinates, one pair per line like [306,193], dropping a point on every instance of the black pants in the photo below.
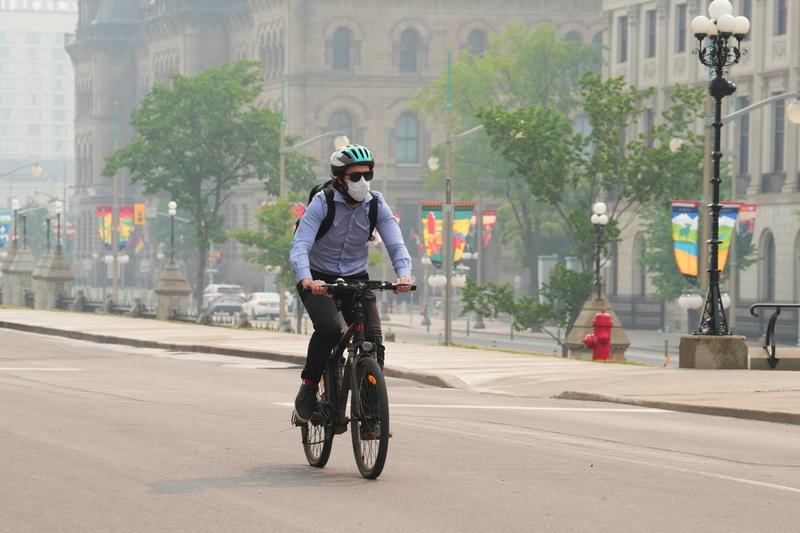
[328,327]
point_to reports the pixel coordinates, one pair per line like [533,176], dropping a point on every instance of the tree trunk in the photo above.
[202,259]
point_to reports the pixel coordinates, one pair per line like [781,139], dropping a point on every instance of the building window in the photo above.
[778,127]
[622,30]
[342,42]
[477,42]
[407,132]
[680,28]
[766,289]
[744,137]
[651,33]
[574,36]
[780,17]
[409,46]
[597,40]
[342,121]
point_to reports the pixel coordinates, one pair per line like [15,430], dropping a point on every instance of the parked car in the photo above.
[263,304]
[217,290]
[226,305]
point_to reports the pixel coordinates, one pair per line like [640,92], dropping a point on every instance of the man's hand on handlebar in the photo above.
[316,286]
[404,285]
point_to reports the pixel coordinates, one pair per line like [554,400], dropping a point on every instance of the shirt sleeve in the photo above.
[389,230]
[306,235]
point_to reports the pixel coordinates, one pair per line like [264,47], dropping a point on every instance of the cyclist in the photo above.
[341,252]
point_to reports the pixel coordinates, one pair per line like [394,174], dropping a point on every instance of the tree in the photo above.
[569,170]
[523,66]
[197,138]
[270,243]
[487,300]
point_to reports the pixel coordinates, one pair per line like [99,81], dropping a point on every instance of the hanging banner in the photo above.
[745,228]
[472,239]
[489,219]
[727,223]
[462,218]
[296,210]
[139,214]
[5,226]
[432,231]
[104,218]
[685,225]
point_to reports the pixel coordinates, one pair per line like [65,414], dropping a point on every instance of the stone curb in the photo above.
[732,412]
[448,382]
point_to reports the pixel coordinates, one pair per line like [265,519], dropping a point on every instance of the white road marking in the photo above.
[595,455]
[515,408]
[532,408]
[37,369]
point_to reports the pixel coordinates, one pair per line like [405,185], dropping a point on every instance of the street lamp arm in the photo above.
[467,133]
[762,103]
[26,165]
[295,147]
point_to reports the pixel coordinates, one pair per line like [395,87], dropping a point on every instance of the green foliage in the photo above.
[563,298]
[523,66]
[487,300]
[198,138]
[269,245]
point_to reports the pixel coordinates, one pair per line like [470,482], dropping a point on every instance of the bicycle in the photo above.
[360,374]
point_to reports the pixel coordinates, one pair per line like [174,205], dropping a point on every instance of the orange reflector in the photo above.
[372,379]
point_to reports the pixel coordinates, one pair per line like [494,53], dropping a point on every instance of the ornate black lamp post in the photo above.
[59,209]
[718,53]
[173,210]
[15,208]
[599,219]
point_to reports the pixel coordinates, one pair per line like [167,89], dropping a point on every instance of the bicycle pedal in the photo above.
[296,421]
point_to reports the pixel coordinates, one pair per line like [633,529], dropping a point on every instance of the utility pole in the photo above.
[447,209]
[115,212]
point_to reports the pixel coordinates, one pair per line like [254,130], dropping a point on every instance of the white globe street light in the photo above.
[173,210]
[719,8]
[675,145]
[459,281]
[437,280]
[599,208]
[793,112]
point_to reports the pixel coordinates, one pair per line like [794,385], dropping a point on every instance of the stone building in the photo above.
[347,65]
[36,99]
[649,42]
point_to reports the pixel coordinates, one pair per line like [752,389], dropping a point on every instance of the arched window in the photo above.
[407,133]
[639,273]
[574,36]
[342,41]
[477,42]
[598,39]
[343,121]
[409,47]
[766,271]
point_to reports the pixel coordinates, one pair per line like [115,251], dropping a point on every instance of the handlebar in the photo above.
[341,285]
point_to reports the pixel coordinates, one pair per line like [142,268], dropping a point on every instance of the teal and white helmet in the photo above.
[347,156]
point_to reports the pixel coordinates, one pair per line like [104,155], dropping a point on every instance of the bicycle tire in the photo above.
[369,391]
[317,434]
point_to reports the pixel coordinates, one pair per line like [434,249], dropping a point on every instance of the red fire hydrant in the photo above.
[600,340]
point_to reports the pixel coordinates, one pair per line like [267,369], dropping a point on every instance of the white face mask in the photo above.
[358,189]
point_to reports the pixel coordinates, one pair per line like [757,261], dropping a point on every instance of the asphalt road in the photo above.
[112,438]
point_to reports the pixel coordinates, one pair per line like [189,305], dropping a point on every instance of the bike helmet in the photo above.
[347,156]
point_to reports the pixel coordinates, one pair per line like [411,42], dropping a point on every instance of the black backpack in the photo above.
[327,222]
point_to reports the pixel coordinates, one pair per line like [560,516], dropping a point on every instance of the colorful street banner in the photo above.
[104,219]
[745,228]
[727,223]
[685,227]
[139,215]
[462,217]
[5,227]
[489,219]
[432,229]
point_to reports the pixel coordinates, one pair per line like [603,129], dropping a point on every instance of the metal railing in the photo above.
[769,338]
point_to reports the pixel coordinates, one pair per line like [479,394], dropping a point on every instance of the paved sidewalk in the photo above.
[760,395]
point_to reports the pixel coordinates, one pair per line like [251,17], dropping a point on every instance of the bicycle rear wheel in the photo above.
[317,433]
[369,418]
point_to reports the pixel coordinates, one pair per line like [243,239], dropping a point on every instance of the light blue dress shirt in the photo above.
[344,249]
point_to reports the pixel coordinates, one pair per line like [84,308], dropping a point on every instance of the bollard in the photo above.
[467,326]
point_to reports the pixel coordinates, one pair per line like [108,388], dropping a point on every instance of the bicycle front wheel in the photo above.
[369,420]
[317,433]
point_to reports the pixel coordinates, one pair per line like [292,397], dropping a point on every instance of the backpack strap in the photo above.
[327,222]
[373,216]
